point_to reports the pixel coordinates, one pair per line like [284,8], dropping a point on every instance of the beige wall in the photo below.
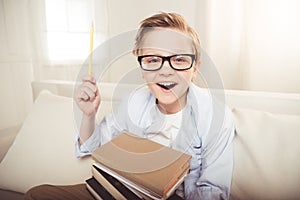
[15,65]
[241,65]
[262,55]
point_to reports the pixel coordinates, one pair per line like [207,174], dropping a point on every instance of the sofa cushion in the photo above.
[43,151]
[266,156]
[7,137]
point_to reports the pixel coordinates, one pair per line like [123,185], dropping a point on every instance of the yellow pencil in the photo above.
[91,48]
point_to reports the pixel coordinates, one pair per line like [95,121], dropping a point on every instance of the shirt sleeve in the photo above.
[103,133]
[217,165]
[88,146]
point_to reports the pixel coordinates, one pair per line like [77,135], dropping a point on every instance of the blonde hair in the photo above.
[167,20]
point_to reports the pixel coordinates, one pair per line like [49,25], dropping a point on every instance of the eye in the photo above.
[181,59]
[151,60]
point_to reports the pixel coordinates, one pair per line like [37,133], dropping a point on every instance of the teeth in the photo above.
[166,85]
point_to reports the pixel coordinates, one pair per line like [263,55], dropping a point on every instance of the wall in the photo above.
[15,64]
[254,45]
[272,42]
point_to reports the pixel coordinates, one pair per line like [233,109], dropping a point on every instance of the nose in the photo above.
[166,69]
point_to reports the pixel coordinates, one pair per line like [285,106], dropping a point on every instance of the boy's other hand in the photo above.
[87,96]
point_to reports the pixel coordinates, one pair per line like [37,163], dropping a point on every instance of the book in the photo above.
[146,166]
[136,189]
[117,189]
[97,190]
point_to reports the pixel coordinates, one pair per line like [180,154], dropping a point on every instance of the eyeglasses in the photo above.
[178,62]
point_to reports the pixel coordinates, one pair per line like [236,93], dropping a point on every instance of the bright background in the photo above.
[255,44]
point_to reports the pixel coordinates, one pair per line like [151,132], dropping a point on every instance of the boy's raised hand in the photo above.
[87,96]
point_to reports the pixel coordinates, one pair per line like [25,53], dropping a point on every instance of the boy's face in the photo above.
[167,84]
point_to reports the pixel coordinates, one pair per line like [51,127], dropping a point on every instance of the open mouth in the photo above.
[166,85]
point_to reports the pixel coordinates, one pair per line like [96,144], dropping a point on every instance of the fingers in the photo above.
[90,86]
[83,96]
[88,90]
[90,79]
[86,95]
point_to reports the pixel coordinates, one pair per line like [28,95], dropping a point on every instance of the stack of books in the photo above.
[131,167]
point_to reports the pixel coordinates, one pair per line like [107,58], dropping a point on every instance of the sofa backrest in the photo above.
[266,149]
[281,103]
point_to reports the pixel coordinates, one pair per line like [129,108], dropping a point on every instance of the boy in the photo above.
[172,111]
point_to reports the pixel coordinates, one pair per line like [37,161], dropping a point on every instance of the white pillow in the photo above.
[43,151]
[266,156]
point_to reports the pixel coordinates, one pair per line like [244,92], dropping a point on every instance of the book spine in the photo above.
[177,184]
[117,185]
[97,190]
[180,172]
[93,192]
[127,182]
[110,188]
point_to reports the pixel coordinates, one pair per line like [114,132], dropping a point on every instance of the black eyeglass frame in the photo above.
[168,58]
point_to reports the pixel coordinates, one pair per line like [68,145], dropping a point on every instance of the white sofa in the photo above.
[266,149]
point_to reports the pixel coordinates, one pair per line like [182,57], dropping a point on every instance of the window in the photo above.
[67,29]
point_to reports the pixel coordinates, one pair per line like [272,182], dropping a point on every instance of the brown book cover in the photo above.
[154,167]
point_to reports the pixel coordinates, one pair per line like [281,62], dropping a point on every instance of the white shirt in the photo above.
[169,130]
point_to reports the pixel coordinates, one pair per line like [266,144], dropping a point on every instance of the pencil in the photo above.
[91,48]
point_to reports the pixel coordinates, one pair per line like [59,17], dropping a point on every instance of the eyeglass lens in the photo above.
[180,62]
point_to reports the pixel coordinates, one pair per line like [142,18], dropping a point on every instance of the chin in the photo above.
[169,101]
[166,101]
[165,98]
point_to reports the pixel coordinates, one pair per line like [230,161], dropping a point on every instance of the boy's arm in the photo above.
[87,128]
[215,180]
[85,148]
[217,165]
[87,98]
